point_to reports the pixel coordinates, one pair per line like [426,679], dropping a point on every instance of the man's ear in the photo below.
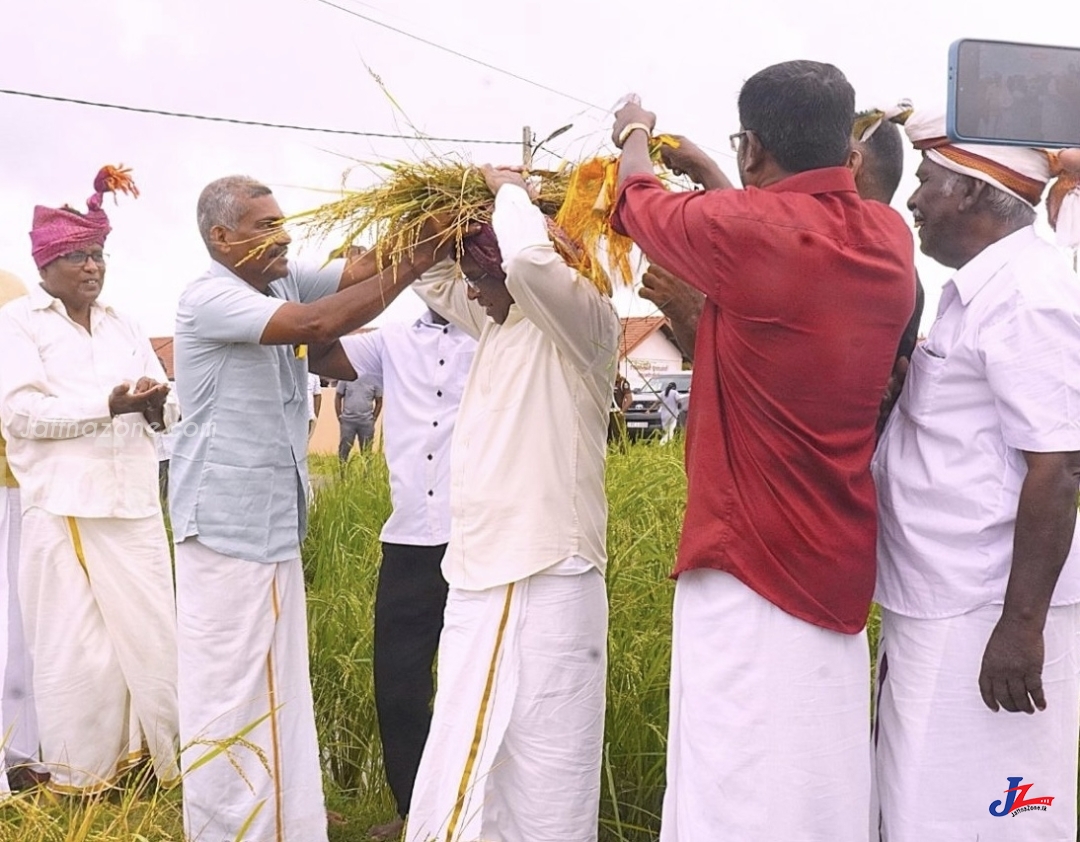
[855,160]
[219,242]
[974,191]
[754,154]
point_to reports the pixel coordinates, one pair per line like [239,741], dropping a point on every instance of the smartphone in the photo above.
[1013,94]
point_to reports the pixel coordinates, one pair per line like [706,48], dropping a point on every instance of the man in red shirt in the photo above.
[808,290]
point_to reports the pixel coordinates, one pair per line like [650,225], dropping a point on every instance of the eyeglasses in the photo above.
[736,139]
[78,258]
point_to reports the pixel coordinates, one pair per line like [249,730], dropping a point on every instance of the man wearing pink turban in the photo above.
[81,401]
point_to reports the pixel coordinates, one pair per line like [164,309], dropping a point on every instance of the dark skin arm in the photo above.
[330,361]
[677,300]
[358,302]
[1011,674]
[322,321]
[688,159]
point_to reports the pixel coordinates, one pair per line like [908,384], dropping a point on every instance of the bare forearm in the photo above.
[1045,520]
[685,331]
[323,321]
[635,158]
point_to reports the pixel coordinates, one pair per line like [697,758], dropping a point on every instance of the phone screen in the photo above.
[1019,94]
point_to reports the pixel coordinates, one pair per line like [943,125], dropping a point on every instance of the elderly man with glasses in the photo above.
[81,399]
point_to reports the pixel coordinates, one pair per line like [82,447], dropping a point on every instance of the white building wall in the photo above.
[656,355]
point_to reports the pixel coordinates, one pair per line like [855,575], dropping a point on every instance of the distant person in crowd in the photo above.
[877,161]
[978,553]
[420,368]
[516,739]
[357,404]
[669,411]
[622,395]
[21,752]
[82,396]
[314,401]
[807,290]
[238,493]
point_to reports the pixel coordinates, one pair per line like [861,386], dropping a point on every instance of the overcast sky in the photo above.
[302,62]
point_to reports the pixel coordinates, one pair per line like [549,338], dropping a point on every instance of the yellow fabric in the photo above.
[585,216]
[10,287]
[8,478]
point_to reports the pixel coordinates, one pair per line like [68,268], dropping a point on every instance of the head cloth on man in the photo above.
[1020,171]
[57,231]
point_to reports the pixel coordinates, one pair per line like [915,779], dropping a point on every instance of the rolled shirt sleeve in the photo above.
[233,313]
[1033,368]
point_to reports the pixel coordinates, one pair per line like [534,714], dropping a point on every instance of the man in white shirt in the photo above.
[515,744]
[420,369]
[81,396]
[979,559]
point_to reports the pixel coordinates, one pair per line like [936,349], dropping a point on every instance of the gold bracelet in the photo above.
[629,129]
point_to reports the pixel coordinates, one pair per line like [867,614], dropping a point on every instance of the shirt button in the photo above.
[431,494]
[442,362]
[430,457]
[434,423]
[438,394]
[446,330]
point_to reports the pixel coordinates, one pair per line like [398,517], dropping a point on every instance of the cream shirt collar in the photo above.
[977,272]
[42,300]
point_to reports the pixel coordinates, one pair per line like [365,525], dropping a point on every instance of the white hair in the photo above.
[1004,206]
[222,202]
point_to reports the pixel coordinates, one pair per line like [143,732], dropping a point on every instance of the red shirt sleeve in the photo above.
[674,230]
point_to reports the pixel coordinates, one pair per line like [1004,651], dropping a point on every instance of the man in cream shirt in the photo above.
[522,659]
[81,394]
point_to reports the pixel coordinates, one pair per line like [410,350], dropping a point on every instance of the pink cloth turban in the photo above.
[57,231]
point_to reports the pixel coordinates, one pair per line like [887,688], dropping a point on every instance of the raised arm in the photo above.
[564,305]
[446,293]
[324,320]
[679,301]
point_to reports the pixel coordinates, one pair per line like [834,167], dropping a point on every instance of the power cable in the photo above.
[258,123]
[454,52]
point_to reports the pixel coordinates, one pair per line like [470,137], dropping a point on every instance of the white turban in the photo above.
[1020,171]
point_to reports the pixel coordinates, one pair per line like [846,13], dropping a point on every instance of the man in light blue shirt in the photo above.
[238,502]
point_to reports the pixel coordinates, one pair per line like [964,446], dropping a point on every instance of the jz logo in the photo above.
[1017,801]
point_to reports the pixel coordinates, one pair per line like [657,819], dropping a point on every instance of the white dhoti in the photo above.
[100,620]
[943,758]
[18,716]
[516,738]
[247,723]
[769,735]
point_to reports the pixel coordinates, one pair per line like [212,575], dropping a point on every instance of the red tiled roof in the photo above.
[636,329]
[163,347]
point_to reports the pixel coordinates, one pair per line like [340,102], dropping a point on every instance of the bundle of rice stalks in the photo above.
[393,212]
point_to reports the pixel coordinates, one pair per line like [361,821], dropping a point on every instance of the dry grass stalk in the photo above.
[393,212]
